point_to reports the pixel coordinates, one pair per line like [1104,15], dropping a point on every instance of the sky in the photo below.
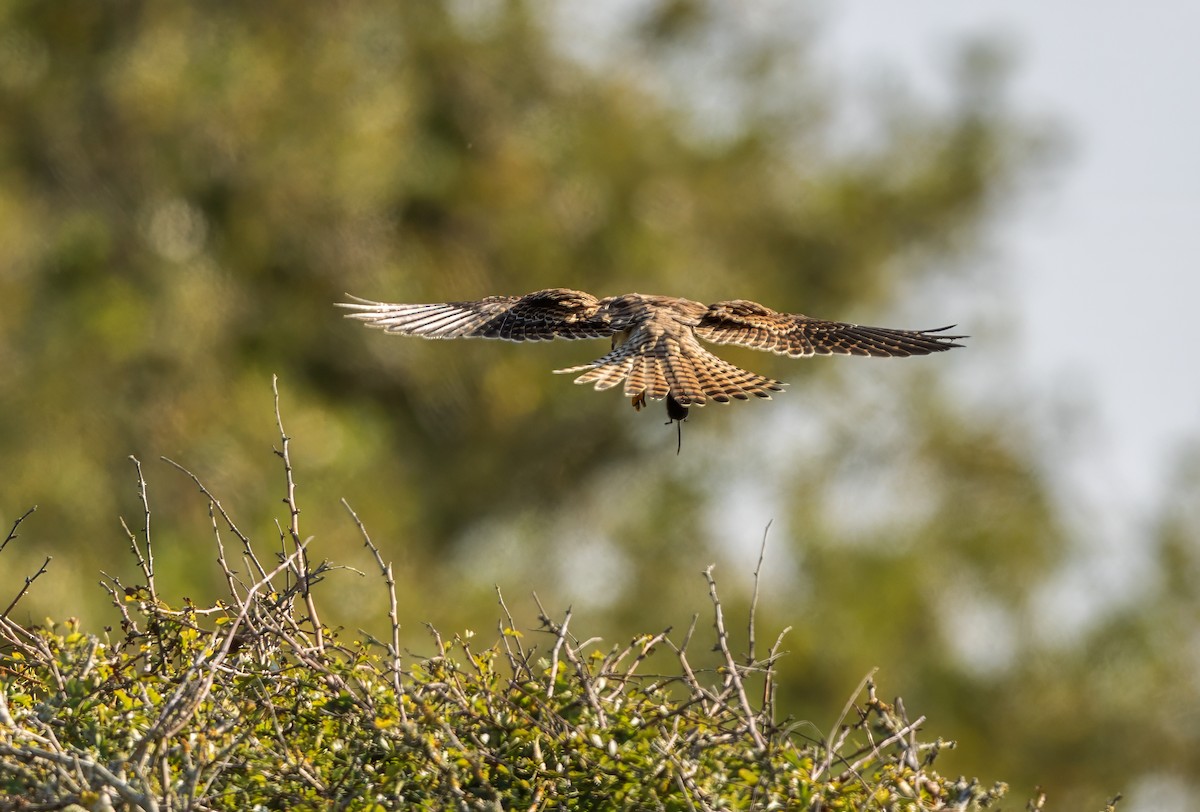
[1105,280]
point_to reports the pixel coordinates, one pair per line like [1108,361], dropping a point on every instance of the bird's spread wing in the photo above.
[658,365]
[538,316]
[753,325]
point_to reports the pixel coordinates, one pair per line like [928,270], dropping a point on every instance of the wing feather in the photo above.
[753,325]
[537,316]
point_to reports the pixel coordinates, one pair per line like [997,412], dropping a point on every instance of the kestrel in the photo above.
[655,339]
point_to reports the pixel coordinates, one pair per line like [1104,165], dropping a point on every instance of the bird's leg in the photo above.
[639,400]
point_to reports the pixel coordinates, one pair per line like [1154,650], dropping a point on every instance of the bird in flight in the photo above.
[656,349]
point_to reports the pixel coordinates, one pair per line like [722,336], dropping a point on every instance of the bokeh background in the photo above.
[186,188]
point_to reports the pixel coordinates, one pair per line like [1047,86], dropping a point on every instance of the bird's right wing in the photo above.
[538,316]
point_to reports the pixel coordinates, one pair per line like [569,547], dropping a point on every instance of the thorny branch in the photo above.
[734,672]
[393,616]
[302,570]
[145,563]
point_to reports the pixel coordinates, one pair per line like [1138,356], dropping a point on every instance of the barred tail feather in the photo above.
[692,376]
[647,377]
[722,381]
[605,372]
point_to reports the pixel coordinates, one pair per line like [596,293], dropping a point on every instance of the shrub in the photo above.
[252,703]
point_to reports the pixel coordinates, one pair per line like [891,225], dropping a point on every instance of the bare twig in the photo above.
[560,637]
[247,549]
[190,693]
[762,551]
[29,579]
[910,743]
[12,534]
[510,636]
[231,578]
[572,655]
[769,682]
[116,593]
[687,638]
[437,639]
[20,638]
[147,563]
[647,646]
[393,614]
[294,521]
[735,675]
[875,748]
[699,692]
[830,747]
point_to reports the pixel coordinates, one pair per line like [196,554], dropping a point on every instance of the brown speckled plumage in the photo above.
[655,346]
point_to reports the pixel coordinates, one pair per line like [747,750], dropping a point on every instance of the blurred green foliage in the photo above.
[186,188]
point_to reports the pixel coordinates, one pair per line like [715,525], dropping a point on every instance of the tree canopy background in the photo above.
[186,188]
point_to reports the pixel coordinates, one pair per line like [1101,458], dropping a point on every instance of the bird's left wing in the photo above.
[538,316]
[753,325]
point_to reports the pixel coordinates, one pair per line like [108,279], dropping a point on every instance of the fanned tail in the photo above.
[691,376]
